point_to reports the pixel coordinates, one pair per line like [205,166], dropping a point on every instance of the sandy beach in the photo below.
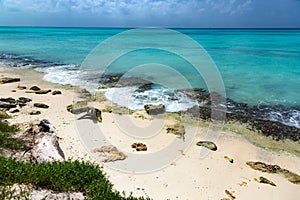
[189,177]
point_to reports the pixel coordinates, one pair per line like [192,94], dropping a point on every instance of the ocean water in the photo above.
[257,66]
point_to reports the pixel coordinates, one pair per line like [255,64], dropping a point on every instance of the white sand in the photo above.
[190,177]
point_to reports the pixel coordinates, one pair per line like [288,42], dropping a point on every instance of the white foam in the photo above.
[129,97]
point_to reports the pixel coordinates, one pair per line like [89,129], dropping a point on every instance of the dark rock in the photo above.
[98,115]
[22,104]
[229,159]
[154,109]
[35,88]
[56,92]
[9,80]
[13,90]
[8,100]
[15,111]
[21,87]
[40,105]
[7,106]
[45,126]
[262,179]
[275,169]
[210,145]
[23,100]
[42,91]
[138,146]
[35,112]
[230,194]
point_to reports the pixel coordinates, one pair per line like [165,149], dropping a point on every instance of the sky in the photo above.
[152,13]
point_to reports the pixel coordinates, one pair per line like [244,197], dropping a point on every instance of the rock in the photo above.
[176,129]
[23,100]
[40,105]
[35,112]
[7,105]
[15,111]
[46,126]
[56,92]
[229,159]
[46,149]
[42,91]
[230,194]
[210,145]
[8,100]
[35,88]
[21,87]
[110,153]
[262,179]
[98,115]
[154,109]
[13,90]
[292,177]
[138,146]
[9,80]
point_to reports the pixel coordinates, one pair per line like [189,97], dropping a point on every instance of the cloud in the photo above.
[230,7]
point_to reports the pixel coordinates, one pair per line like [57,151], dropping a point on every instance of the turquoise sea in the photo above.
[258,66]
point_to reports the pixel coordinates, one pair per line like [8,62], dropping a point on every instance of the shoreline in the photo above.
[187,177]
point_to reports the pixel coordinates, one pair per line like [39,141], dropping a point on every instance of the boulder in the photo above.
[154,109]
[56,92]
[15,111]
[46,149]
[210,145]
[9,80]
[8,100]
[21,87]
[229,159]
[7,105]
[23,100]
[35,88]
[177,129]
[40,105]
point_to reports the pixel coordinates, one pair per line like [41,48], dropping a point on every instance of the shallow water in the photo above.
[257,66]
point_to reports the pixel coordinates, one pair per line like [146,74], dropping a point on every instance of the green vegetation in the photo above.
[65,176]
[68,176]
[7,132]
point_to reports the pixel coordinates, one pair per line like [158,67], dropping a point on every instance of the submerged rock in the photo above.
[262,179]
[210,145]
[275,169]
[110,153]
[40,105]
[9,80]
[154,109]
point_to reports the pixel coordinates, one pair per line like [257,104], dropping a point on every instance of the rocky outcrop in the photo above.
[4,80]
[275,169]
[264,180]
[207,144]
[154,109]
[176,129]
[45,145]
[91,112]
[110,153]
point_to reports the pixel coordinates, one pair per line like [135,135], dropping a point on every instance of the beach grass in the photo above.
[68,176]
